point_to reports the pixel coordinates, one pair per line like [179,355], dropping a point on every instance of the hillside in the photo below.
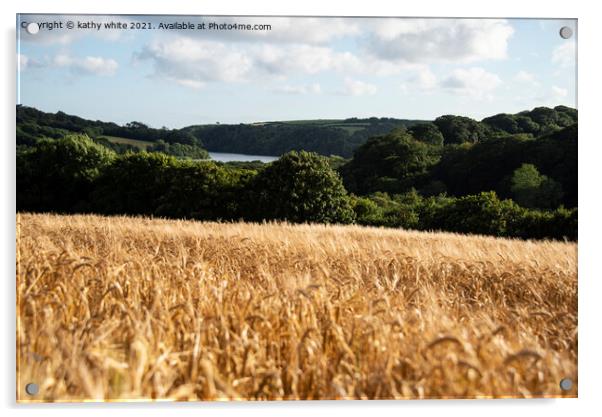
[126,308]
[327,137]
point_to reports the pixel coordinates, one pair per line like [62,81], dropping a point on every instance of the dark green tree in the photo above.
[427,133]
[300,187]
[392,163]
[526,181]
[58,175]
[504,122]
[544,116]
[527,125]
[460,129]
[482,213]
[367,212]
[203,190]
[134,184]
[531,189]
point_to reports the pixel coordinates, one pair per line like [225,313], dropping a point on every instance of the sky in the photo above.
[301,68]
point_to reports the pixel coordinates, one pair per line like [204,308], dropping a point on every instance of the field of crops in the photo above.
[128,308]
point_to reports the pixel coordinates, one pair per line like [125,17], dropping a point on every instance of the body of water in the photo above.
[229,157]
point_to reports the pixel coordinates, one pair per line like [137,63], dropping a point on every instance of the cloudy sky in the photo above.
[303,68]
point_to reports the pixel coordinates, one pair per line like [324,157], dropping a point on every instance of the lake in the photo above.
[229,157]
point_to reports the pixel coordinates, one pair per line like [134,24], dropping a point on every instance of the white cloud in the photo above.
[204,61]
[303,59]
[25,62]
[300,89]
[191,62]
[423,80]
[439,40]
[474,82]
[90,65]
[564,55]
[549,96]
[357,88]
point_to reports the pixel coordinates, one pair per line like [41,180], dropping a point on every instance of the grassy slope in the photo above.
[138,143]
[126,308]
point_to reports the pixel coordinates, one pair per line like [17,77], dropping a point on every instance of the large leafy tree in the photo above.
[58,175]
[531,189]
[300,187]
[203,190]
[504,122]
[392,163]
[482,213]
[460,129]
[427,133]
[133,184]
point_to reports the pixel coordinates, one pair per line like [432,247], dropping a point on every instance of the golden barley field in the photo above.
[118,308]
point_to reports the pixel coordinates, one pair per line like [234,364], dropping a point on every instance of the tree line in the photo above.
[74,174]
[334,137]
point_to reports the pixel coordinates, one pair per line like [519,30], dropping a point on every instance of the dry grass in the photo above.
[125,308]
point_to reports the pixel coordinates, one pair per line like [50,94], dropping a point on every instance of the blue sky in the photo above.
[303,68]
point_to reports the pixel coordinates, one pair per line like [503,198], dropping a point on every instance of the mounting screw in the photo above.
[32,28]
[566,32]
[32,389]
[566,384]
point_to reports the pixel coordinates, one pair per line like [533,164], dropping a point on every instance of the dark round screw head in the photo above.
[566,384]
[566,32]
[31,388]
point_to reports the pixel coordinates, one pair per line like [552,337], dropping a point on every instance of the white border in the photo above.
[590,152]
